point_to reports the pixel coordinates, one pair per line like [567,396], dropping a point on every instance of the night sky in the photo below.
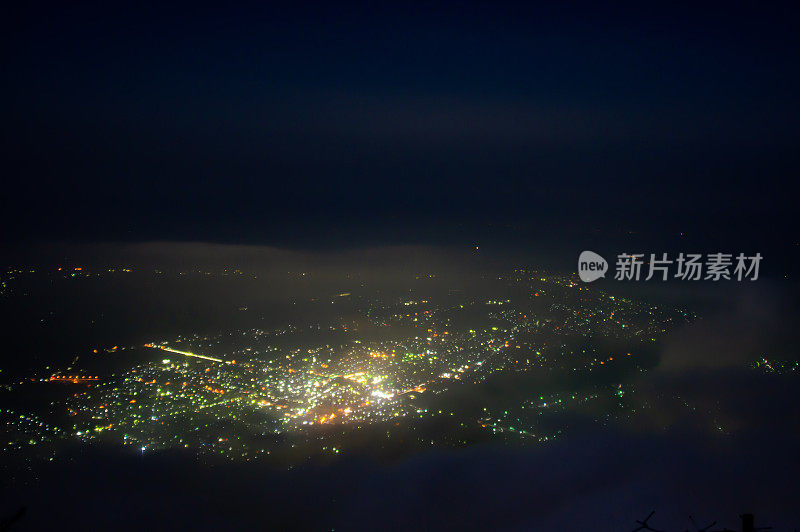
[308,126]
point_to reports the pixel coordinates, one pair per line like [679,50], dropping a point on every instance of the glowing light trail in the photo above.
[186,353]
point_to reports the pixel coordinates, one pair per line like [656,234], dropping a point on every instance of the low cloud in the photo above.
[750,321]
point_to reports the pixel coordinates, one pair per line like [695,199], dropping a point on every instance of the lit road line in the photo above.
[186,353]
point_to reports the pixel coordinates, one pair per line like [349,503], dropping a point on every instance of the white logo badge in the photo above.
[591,266]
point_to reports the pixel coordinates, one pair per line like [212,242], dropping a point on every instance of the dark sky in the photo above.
[308,126]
